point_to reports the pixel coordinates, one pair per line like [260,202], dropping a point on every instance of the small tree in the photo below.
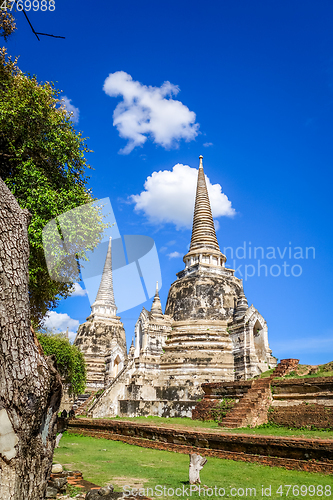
[42,161]
[30,386]
[41,176]
[69,359]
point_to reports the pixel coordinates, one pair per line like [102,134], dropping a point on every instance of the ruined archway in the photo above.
[259,341]
[117,365]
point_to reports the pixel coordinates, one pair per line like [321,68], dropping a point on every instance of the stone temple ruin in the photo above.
[207,334]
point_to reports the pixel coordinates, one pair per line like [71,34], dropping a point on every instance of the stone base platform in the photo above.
[312,455]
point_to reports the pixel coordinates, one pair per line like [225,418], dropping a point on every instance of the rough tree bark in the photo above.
[30,386]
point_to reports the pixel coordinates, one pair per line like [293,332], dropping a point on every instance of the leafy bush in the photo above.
[43,163]
[222,409]
[70,361]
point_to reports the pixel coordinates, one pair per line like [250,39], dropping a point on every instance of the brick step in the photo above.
[231,426]
[239,423]
[250,402]
[234,423]
[253,404]
[84,405]
[234,417]
[253,392]
[242,412]
[247,403]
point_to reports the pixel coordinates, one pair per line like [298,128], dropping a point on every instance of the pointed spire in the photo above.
[131,349]
[156,308]
[104,301]
[203,230]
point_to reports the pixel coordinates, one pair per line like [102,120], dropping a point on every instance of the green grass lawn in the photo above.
[265,430]
[103,462]
[302,371]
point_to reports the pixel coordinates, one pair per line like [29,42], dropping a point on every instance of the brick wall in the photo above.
[215,392]
[296,402]
[208,409]
[302,415]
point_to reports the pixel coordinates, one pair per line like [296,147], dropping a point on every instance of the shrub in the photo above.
[222,408]
[70,361]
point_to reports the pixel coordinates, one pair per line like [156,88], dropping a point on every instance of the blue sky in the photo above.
[254,82]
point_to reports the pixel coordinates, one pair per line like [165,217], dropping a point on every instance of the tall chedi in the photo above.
[211,339]
[200,303]
[102,337]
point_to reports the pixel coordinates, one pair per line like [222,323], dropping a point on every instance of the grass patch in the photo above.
[103,462]
[169,422]
[276,430]
[72,490]
[303,371]
[211,426]
[265,374]
[309,371]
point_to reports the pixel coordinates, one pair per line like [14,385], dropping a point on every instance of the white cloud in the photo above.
[78,291]
[59,322]
[216,224]
[174,255]
[75,112]
[149,111]
[207,144]
[169,197]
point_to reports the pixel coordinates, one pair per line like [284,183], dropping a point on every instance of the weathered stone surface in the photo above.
[68,497]
[158,408]
[303,402]
[58,440]
[105,493]
[51,492]
[302,415]
[197,463]
[58,482]
[203,296]
[289,391]
[56,468]
[197,351]
[97,340]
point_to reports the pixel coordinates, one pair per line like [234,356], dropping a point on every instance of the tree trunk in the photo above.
[196,464]
[30,386]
